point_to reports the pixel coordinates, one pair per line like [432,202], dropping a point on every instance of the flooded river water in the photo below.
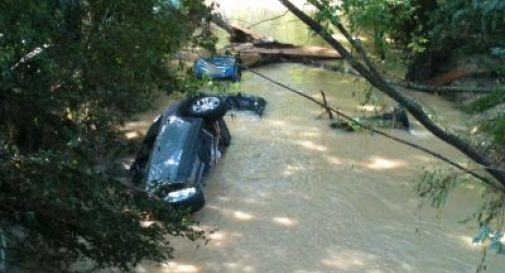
[293,195]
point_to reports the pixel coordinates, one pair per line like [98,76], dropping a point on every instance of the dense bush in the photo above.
[418,26]
[474,26]
[71,71]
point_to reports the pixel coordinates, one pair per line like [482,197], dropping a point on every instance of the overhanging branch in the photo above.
[381,84]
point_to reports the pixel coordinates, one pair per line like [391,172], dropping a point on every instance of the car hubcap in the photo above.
[205,104]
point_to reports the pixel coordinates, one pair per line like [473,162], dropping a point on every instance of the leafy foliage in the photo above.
[71,71]
[496,128]
[472,25]
[381,19]
[495,98]
[71,212]
[417,26]
[490,217]
[493,123]
[384,18]
[435,186]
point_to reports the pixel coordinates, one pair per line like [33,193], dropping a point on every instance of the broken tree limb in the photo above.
[371,74]
[328,110]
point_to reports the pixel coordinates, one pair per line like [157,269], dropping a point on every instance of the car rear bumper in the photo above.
[194,202]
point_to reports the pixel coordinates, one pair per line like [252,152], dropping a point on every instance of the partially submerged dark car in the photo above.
[181,146]
[243,102]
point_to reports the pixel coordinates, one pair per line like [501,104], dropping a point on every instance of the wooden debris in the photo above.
[256,49]
[457,74]
[312,52]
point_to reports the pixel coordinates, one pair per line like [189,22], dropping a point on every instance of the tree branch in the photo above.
[354,43]
[269,19]
[412,106]
[371,129]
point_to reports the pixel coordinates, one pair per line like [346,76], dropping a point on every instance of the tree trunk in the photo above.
[368,71]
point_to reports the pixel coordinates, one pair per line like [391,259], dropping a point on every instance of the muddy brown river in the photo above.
[293,195]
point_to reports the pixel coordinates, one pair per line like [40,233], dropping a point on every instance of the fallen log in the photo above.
[442,89]
[268,49]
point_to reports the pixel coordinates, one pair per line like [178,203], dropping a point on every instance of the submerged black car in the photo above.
[181,146]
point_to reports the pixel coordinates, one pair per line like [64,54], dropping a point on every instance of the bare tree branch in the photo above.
[269,19]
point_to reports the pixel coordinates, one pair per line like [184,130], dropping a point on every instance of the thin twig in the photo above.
[330,114]
[269,19]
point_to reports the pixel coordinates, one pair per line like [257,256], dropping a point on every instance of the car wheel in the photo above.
[210,108]
[198,201]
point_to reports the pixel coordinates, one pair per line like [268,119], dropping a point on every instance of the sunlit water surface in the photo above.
[293,195]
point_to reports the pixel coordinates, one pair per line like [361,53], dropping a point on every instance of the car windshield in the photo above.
[167,151]
[221,61]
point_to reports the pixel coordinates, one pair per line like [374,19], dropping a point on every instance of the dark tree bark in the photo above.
[369,72]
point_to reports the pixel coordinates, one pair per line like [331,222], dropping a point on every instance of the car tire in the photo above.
[198,202]
[210,108]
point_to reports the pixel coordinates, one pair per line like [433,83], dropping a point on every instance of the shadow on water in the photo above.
[293,195]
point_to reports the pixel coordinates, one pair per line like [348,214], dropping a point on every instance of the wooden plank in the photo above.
[299,51]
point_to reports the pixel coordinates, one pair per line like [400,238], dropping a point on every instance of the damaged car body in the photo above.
[243,102]
[182,145]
